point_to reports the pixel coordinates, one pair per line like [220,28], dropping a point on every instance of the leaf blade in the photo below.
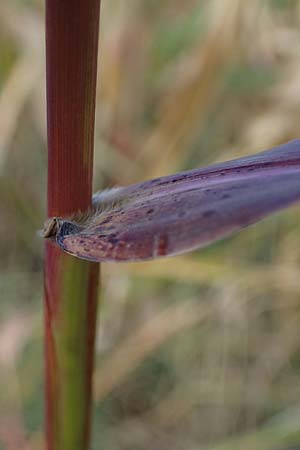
[189,210]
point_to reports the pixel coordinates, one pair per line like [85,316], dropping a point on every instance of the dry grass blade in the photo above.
[26,31]
[142,342]
[184,110]
[19,86]
[282,277]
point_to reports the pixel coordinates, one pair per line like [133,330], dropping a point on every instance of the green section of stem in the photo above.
[70,334]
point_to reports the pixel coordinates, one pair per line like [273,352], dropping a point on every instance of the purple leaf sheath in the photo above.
[185,211]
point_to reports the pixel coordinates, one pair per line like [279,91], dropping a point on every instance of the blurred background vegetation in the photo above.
[197,352]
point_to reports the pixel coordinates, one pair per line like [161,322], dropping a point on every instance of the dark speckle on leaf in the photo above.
[113,241]
[208,213]
[155,180]
[108,219]
[180,178]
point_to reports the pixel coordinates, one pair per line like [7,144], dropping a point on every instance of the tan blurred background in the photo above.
[197,352]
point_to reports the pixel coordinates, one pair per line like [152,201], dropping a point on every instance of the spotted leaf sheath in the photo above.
[182,212]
